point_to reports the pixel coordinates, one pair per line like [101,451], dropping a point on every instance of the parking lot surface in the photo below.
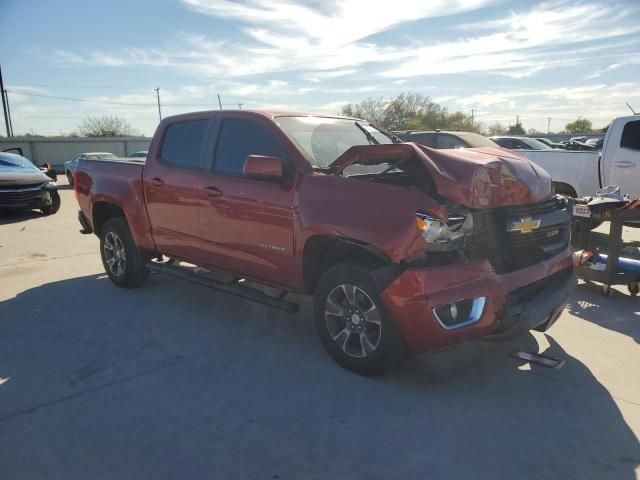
[174,380]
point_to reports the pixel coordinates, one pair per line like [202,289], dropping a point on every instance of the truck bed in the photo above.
[578,169]
[117,182]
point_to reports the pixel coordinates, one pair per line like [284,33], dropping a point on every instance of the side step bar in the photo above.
[234,288]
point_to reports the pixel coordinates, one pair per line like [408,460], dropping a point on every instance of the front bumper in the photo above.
[515,302]
[26,197]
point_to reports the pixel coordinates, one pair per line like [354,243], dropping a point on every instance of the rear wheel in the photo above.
[353,324]
[70,178]
[123,261]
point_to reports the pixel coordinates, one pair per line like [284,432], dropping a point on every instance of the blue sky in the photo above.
[557,59]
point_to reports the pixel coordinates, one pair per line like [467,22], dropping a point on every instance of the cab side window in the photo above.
[631,136]
[449,141]
[240,138]
[427,139]
[183,142]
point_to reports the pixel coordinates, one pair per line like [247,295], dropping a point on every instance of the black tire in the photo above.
[54,205]
[390,349]
[131,272]
[70,178]
[634,288]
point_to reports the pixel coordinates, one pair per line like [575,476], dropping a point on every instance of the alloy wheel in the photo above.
[353,320]
[114,254]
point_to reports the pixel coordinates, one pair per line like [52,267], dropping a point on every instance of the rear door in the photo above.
[623,158]
[247,224]
[171,186]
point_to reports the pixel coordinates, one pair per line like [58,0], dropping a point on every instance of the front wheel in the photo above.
[122,259]
[52,203]
[353,324]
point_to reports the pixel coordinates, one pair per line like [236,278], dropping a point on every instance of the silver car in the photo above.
[70,165]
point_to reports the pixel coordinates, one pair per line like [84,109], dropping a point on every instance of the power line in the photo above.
[70,99]
[107,102]
[51,85]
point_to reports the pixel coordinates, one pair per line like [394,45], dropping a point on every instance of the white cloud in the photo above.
[281,36]
[598,102]
[337,41]
[517,45]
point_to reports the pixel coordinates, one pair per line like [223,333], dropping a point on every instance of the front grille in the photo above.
[21,196]
[509,251]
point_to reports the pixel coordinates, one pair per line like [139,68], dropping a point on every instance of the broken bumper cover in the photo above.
[512,303]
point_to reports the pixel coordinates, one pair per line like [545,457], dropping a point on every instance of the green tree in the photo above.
[579,125]
[409,111]
[107,126]
[516,129]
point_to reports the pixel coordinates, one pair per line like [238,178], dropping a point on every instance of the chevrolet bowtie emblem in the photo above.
[525,225]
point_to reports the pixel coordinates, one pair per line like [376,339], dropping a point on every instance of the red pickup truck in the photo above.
[405,248]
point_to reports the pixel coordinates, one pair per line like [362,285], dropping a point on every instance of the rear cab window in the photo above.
[183,142]
[240,138]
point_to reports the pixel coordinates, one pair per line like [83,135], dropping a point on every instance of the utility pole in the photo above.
[4,106]
[548,125]
[240,106]
[219,102]
[472,112]
[517,119]
[6,99]
[157,90]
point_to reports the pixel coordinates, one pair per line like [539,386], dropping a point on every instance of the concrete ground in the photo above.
[177,381]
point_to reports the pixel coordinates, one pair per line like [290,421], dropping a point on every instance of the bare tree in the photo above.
[371,109]
[496,129]
[107,126]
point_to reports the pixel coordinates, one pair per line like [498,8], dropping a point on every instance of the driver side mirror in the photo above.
[261,167]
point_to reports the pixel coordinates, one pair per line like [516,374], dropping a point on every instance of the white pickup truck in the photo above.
[580,174]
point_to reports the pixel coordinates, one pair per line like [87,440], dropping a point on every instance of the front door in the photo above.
[247,224]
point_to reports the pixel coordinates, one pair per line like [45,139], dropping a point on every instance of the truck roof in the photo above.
[270,114]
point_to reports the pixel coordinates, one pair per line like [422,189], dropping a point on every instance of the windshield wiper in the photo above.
[371,139]
[394,138]
[390,168]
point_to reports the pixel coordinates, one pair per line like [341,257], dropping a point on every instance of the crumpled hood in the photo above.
[473,177]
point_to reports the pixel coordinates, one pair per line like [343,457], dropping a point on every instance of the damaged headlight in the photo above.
[445,236]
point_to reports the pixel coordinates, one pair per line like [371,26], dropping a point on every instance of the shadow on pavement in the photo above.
[8,217]
[177,381]
[620,312]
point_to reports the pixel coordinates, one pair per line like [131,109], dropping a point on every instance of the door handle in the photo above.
[213,191]
[624,164]
[157,182]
